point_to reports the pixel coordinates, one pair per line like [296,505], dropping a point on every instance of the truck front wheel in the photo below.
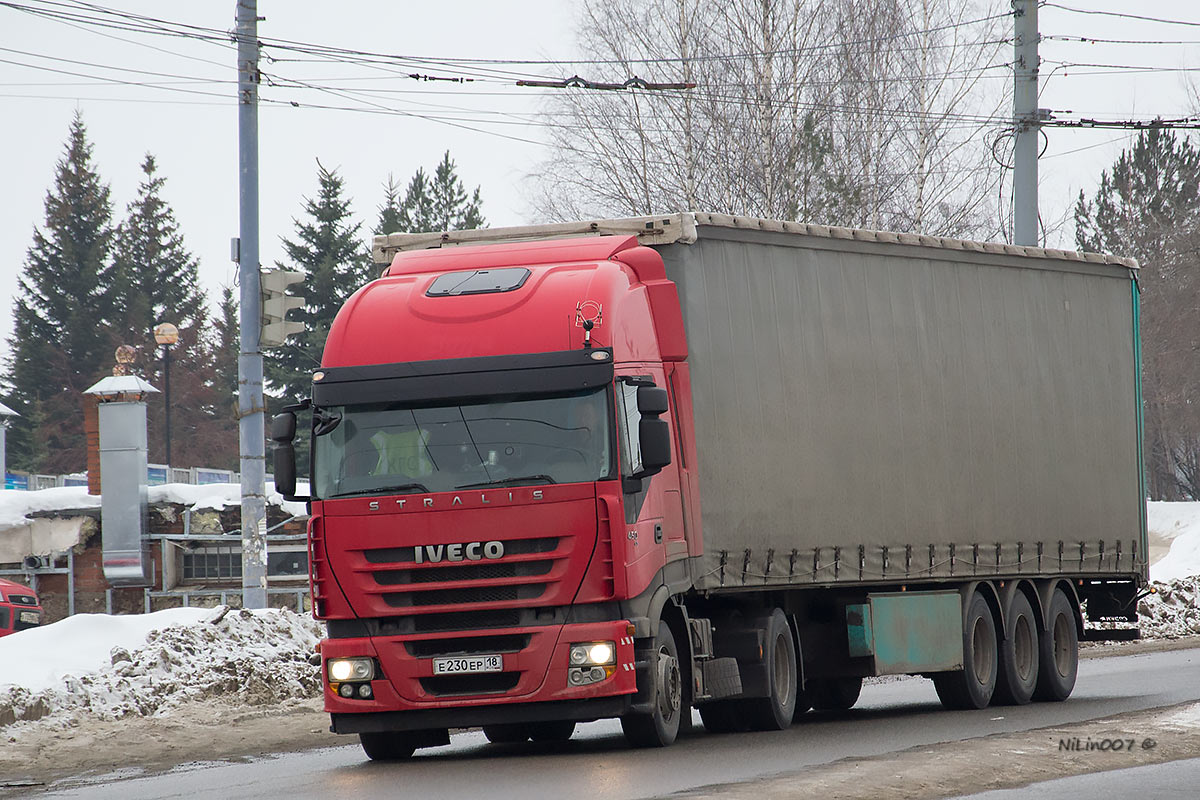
[387,746]
[659,726]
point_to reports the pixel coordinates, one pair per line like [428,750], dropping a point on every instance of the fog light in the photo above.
[597,673]
[583,676]
[351,669]
[346,690]
[364,691]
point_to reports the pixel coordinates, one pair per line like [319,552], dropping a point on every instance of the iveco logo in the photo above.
[471,551]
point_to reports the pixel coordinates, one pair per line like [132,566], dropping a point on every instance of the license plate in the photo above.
[468,664]
[29,617]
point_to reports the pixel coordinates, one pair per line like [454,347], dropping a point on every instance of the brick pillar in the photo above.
[91,431]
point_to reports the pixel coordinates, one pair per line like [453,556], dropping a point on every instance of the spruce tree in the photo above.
[1148,207]
[437,204]
[62,338]
[329,249]
[158,280]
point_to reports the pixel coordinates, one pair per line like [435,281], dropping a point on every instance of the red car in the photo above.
[19,608]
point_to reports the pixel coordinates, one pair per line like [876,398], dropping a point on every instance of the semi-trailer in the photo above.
[624,468]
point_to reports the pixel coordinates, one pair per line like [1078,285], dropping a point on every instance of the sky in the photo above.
[175,98]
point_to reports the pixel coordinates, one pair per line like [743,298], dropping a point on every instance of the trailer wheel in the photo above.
[660,726]
[774,712]
[1018,655]
[973,685]
[834,694]
[387,746]
[506,733]
[557,731]
[1059,652]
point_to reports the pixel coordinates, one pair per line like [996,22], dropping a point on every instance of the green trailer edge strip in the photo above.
[1144,538]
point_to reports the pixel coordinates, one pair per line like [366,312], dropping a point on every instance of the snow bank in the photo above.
[39,658]
[1179,524]
[251,657]
[1172,611]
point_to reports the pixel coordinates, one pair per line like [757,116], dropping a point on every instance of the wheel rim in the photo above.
[982,646]
[669,684]
[1023,647]
[783,675]
[1062,645]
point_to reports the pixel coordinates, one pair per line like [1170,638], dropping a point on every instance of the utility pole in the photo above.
[1025,122]
[251,423]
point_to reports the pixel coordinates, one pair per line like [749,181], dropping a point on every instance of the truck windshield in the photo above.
[396,449]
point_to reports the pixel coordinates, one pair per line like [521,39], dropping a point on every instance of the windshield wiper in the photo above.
[402,487]
[507,481]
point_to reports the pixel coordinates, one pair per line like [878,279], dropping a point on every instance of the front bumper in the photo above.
[532,687]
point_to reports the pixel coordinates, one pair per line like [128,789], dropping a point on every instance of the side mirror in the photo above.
[656,444]
[652,400]
[283,428]
[284,459]
[283,433]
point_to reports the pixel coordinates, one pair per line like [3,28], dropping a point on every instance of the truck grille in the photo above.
[487,683]
[526,572]
[468,645]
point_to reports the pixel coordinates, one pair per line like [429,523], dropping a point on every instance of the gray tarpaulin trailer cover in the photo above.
[875,407]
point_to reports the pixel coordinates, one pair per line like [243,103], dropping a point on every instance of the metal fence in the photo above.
[156,475]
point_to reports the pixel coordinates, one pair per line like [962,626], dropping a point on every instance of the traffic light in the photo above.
[276,302]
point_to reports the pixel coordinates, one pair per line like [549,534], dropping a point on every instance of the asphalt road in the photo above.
[597,764]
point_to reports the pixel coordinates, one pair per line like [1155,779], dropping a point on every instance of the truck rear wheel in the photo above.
[1059,651]
[387,746]
[774,712]
[723,716]
[1018,654]
[660,726]
[834,694]
[974,684]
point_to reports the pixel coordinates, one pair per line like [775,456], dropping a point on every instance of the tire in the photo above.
[1059,652]
[974,684]
[510,733]
[774,712]
[387,746]
[803,703]
[723,716]
[1019,654]
[659,727]
[557,731]
[834,694]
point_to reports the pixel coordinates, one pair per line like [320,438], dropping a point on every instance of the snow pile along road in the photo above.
[249,657]
[1172,611]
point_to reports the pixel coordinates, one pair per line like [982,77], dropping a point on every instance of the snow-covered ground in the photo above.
[1178,524]
[99,666]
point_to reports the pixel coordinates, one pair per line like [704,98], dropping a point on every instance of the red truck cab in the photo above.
[485,541]
[19,607]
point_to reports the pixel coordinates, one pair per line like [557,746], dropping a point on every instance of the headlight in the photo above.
[351,669]
[593,653]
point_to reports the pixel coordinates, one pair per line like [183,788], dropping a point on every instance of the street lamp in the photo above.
[167,334]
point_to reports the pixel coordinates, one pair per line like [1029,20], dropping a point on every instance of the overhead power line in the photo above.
[1123,15]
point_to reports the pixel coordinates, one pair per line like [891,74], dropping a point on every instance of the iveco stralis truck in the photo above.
[628,468]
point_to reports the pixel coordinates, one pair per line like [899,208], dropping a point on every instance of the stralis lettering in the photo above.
[471,551]
[427,502]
